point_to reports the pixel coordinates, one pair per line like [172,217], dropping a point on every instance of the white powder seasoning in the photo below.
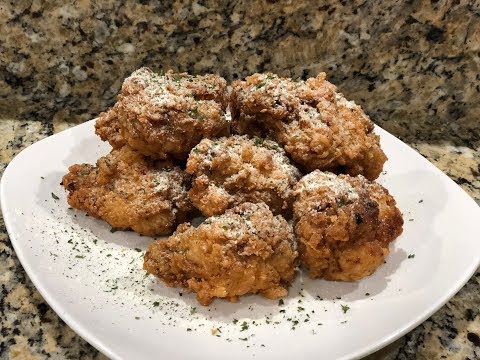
[339,186]
[161,181]
[158,88]
[341,100]
[170,89]
[281,176]
[312,115]
[170,182]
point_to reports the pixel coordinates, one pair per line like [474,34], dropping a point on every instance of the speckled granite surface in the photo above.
[412,65]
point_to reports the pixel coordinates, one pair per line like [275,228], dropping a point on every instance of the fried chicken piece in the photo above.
[108,128]
[317,126]
[230,171]
[165,116]
[247,250]
[129,191]
[344,225]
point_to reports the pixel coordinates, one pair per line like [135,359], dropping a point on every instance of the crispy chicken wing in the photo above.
[344,225]
[317,126]
[129,191]
[230,171]
[108,128]
[246,250]
[165,116]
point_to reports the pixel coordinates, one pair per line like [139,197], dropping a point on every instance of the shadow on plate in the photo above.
[88,150]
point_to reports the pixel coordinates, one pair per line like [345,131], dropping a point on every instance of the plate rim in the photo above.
[91,338]
[56,306]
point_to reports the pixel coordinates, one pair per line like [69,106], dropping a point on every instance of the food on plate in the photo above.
[230,171]
[317,126]
[129,191]
[344,225]
[165,115]
[246,184]
[247,250]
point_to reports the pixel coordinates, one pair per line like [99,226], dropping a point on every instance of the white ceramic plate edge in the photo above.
[57,307]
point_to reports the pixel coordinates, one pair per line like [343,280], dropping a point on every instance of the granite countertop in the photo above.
[413,66]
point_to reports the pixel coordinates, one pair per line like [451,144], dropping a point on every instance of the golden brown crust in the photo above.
[247,250]
[344,225]
[165,116]
[230,171]
[129,191]
[318,127]
[108,128]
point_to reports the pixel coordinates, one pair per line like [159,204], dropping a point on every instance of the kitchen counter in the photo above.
[415,73]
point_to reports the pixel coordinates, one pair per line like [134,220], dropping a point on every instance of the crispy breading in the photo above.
[108,128]
[230,171]
[344,225]
[247,250]
[129,191]
[317,126]
[165,115]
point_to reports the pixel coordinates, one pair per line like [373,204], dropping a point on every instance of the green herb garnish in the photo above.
[258,141]
[196,114]
[244,326]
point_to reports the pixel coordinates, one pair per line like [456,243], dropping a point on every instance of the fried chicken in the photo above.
[230,171]
[129,191]
[108,128]
[344,225]
[246,250]
[317,126]
[165,116]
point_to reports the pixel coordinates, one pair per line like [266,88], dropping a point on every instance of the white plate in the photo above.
[94,279]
